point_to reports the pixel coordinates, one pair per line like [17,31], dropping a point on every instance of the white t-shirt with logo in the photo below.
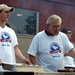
[8,40]
[50,50]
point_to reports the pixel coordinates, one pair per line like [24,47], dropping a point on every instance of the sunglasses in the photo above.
[69,32]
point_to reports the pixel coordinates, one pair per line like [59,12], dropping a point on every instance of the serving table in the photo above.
[29,70]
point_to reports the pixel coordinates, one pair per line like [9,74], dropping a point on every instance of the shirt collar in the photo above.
[49,34]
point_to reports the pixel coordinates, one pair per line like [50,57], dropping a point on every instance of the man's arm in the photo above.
[70,53]
[0,62]
[20,56]
[32,59]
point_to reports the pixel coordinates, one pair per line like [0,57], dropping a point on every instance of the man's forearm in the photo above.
[32,59]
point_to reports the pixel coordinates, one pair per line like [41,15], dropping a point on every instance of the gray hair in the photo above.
[53,18]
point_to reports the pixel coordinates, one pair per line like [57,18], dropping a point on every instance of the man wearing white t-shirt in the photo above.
[69,61]
[8,40]
[48,46]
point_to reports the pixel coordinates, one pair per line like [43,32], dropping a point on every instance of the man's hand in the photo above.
[27,61]
[0,62]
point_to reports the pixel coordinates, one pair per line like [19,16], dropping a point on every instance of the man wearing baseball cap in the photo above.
[6,8]
[8,40]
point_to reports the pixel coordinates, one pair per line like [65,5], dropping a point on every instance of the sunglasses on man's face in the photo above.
[69,32]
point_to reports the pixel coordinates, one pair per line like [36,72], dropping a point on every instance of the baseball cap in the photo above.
[6,8]
[66,30]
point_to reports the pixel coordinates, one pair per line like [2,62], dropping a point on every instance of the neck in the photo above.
[2,24]
[46,31]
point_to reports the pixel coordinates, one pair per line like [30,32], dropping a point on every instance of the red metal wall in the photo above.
[65,9]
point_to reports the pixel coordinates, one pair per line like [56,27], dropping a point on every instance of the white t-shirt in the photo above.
[69,61]
[50,50]
[8,40]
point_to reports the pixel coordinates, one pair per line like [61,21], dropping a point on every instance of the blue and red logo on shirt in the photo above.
[5,39]
[55,48]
